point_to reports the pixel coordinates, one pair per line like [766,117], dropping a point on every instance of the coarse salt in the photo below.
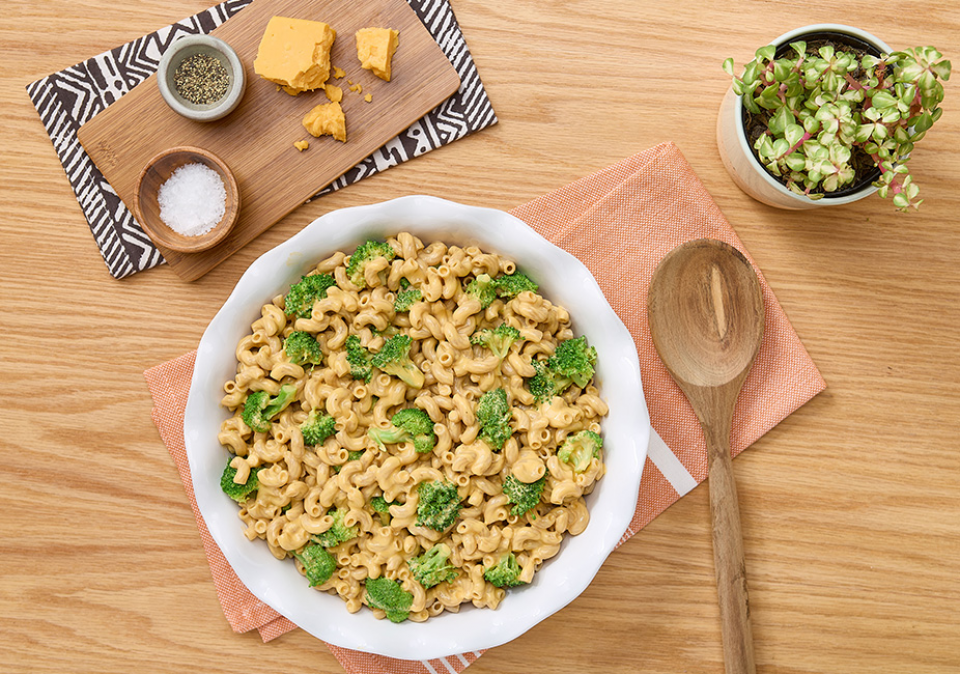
[192,200]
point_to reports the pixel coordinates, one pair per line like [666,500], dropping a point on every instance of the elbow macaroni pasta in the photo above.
[300,485]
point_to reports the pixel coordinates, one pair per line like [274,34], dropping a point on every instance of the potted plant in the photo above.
[829,114]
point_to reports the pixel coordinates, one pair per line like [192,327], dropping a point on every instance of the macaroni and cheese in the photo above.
[389,380]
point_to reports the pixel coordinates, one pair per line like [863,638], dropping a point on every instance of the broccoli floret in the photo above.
[260,407]
[253,411]
[299,300]
[238,492]
[579,448]
[366,252]
[574,360]
[493,416]
[439,505]
[338,532]
[512,285]
[572,363]
[358,359]
[394,359]
[498,341]
[483,289]
[433,567]
[381,506]
[542,385]
[523,495]
[406,297]
[302,348]
[286,395]
[505,573]
[409,425]
[317,427]
[318,564]
[389,596]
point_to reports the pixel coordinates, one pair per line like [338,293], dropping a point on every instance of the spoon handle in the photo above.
[728,555]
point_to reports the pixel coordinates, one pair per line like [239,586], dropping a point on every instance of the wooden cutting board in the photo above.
[256,140]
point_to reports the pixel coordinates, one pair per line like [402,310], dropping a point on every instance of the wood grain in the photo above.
[850,507]
[256,140]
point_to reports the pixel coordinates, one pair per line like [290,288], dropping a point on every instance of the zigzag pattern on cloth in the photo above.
[67,99]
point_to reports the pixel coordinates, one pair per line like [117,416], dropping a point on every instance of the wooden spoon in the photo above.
[706,320]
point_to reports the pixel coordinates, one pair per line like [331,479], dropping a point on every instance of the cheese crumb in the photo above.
[301,145]
[375,49]
[333,92]
[326,120]
[338,73]
[368,98]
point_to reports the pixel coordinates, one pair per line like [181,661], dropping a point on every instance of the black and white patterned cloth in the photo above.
[67,99]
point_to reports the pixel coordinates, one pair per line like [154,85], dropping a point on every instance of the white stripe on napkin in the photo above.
[668,464]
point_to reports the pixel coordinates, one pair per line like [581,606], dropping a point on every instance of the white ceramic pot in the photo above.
[737,155]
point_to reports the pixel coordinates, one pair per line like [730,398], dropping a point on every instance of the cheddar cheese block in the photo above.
[327,119]
[375,49]
[295,54]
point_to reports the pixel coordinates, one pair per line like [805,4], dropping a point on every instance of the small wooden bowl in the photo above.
[147,209]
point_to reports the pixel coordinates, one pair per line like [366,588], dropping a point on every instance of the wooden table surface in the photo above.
[851,506]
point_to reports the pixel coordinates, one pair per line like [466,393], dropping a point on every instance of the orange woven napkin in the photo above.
[633,212]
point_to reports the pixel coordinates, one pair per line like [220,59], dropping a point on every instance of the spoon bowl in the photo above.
[706,302]
[706,319]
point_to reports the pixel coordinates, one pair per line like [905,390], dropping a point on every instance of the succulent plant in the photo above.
[820,107]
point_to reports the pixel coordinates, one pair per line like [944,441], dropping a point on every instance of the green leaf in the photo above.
[800,47]
[793,133]
[796,161]
[840,154]
[846,175]
[891,116]
[769,98]
[883,100]
[826,52]
[766,53]
[811,124]
[728,66]
[941,70]
[763,146]
[781,70]
[779,122]
[863,133]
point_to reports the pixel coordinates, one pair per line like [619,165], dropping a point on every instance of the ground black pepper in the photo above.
[201,79]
